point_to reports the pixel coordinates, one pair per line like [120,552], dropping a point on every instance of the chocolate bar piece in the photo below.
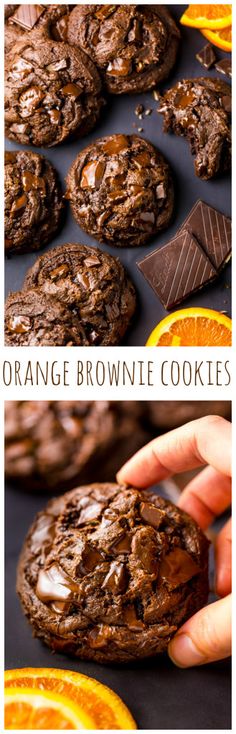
[206,56]
[178,269]
[26,16]
[224,67]
[212,230]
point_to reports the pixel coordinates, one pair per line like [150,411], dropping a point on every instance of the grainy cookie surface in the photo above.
[200,109]
[56,444]
[34,319]
[135,46]
[109,574]
[121,190]
[33,201]
[93,284]
[52,91]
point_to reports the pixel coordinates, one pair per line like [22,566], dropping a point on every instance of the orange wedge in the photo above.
[214,17]
[31,708]
[192,327]
[221,39]
[94,700]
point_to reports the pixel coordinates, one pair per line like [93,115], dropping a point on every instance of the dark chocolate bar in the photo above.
[26,16]
[206,56]
[177,270]
[212,230]
[224,67]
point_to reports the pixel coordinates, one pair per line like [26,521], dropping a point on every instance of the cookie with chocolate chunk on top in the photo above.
[109,573]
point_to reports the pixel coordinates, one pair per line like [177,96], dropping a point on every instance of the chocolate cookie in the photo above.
[56,444]
[121,190]
[33,201]
[34,319]
[50,20]
[164,415]
[93,284]
[135,46]
[109,574]
[52,91]
[200,109]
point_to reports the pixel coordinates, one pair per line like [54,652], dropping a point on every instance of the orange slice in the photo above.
[95,700]
[221,39]
[214,17]
[192,327]
[31,708]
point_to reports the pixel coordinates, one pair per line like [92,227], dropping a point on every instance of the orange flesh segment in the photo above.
[24,716]
[195,332]
[222,39]
[212,16]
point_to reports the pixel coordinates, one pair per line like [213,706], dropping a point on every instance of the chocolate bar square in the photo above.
[26,16]
[206,56]
[212,230]
[224,67]
[178,269]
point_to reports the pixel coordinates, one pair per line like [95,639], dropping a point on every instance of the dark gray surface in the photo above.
[159,695]
[119,117]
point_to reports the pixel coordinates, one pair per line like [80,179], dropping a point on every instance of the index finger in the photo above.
[204,441]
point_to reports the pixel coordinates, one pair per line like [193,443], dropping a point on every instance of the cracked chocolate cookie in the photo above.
[35,319]
[93,284]
[50,20]
[52,92]
[134,46]
[56,444]
[109,573]
[200,110]
[121,191]
[33,201]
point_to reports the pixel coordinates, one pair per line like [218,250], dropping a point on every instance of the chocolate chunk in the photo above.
[224,67]
[131,619]
[19,205]
[152,515]
[26,16]
[119,67]
[177,568]
[54,584]
[73,90]
[178,269]
[212,230]
[122,545]
[44,533]
[92,174]
[19,324]
[116,579]
[206,56]
[90,559]
[31,181]
[116,144]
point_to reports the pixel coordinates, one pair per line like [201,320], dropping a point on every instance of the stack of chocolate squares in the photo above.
[191,259]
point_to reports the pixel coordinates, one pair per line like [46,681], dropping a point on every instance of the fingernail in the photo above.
[184,653]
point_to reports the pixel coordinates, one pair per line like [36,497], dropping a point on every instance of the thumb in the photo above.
[204,637]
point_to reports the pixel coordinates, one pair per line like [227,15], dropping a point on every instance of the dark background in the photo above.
[118,117]
[159,695]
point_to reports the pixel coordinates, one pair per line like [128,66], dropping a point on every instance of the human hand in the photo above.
[207,635]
